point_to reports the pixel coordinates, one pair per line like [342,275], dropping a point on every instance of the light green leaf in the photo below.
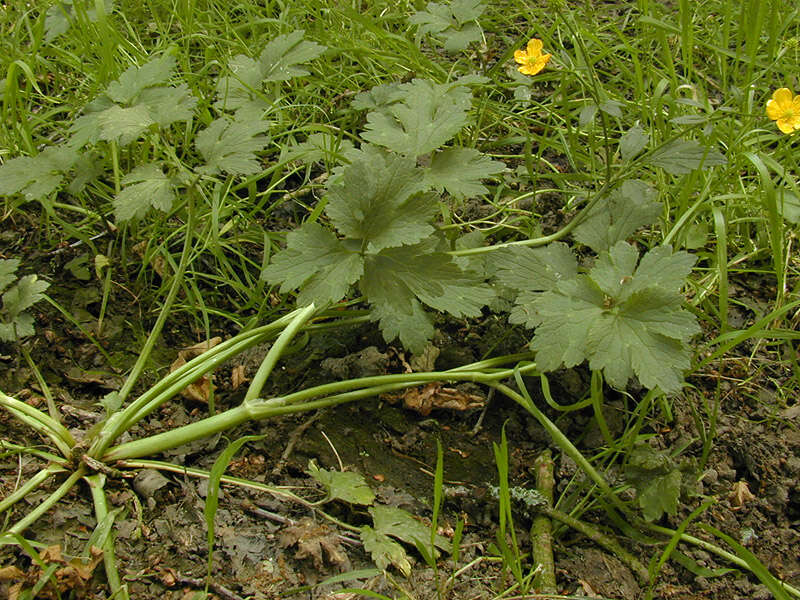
[167,105]
[456,40]
[316,261]
[123,125]
[60,16]
[587,114]
[27,292]
[534,269]
[429,115]
[319,147]
[377,201]
[230,146]
[400,524]
[625,320]
[279,60]
[384,550]
[684,156]
[37,176]
[633,142]
[434,19]
[147,187]
[612,107]
[135,79]
[343,485]
[657,479]
[241,86]
[454,25]
[21,326]
[789,206]
[379,97]
[460,171]
[7,269]
[629,207]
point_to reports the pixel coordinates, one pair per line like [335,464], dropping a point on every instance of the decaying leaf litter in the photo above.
[715,452]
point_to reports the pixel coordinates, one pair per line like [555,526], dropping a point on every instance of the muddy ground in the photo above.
[753,469]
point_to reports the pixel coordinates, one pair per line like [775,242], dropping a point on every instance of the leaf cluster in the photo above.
[381,207]
[389,523]
[454,24]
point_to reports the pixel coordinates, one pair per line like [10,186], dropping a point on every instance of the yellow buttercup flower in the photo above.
[784,107]
[531,59]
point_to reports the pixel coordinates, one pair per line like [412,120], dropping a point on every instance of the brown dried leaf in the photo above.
[740,494]
[315,541]
[200,390]
[424,399]
[238,376]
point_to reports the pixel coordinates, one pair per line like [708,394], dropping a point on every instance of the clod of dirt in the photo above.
[367,363]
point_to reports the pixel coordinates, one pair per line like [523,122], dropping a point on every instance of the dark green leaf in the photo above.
[624,320]
[316,261]
[629,207]
[377,201]
[684,156]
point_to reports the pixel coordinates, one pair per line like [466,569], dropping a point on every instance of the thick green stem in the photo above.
[542,528]
[327,395]
[30,486]
[277,350]
[119,591]
[48,502]
[41,422]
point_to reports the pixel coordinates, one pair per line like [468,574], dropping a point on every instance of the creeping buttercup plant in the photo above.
[198,162]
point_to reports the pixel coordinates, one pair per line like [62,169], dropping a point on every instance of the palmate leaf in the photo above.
[36,177]
[230,146]
[400,524]
[135,78]
[625,321]
[658,479]
[280,59]
[123,125]
[629,207]
[343,485]
[429,115]
[684,156]
[397,279]
[146,187]
[318,263]
[7,269]
[532,271]
[377,201]
[453,23]
[14,322]
[460,171]
[384,550]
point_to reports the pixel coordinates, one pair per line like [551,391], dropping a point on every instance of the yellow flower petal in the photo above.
[783,96]
[521,56]
[535,47]
[785,126]
[773,110]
